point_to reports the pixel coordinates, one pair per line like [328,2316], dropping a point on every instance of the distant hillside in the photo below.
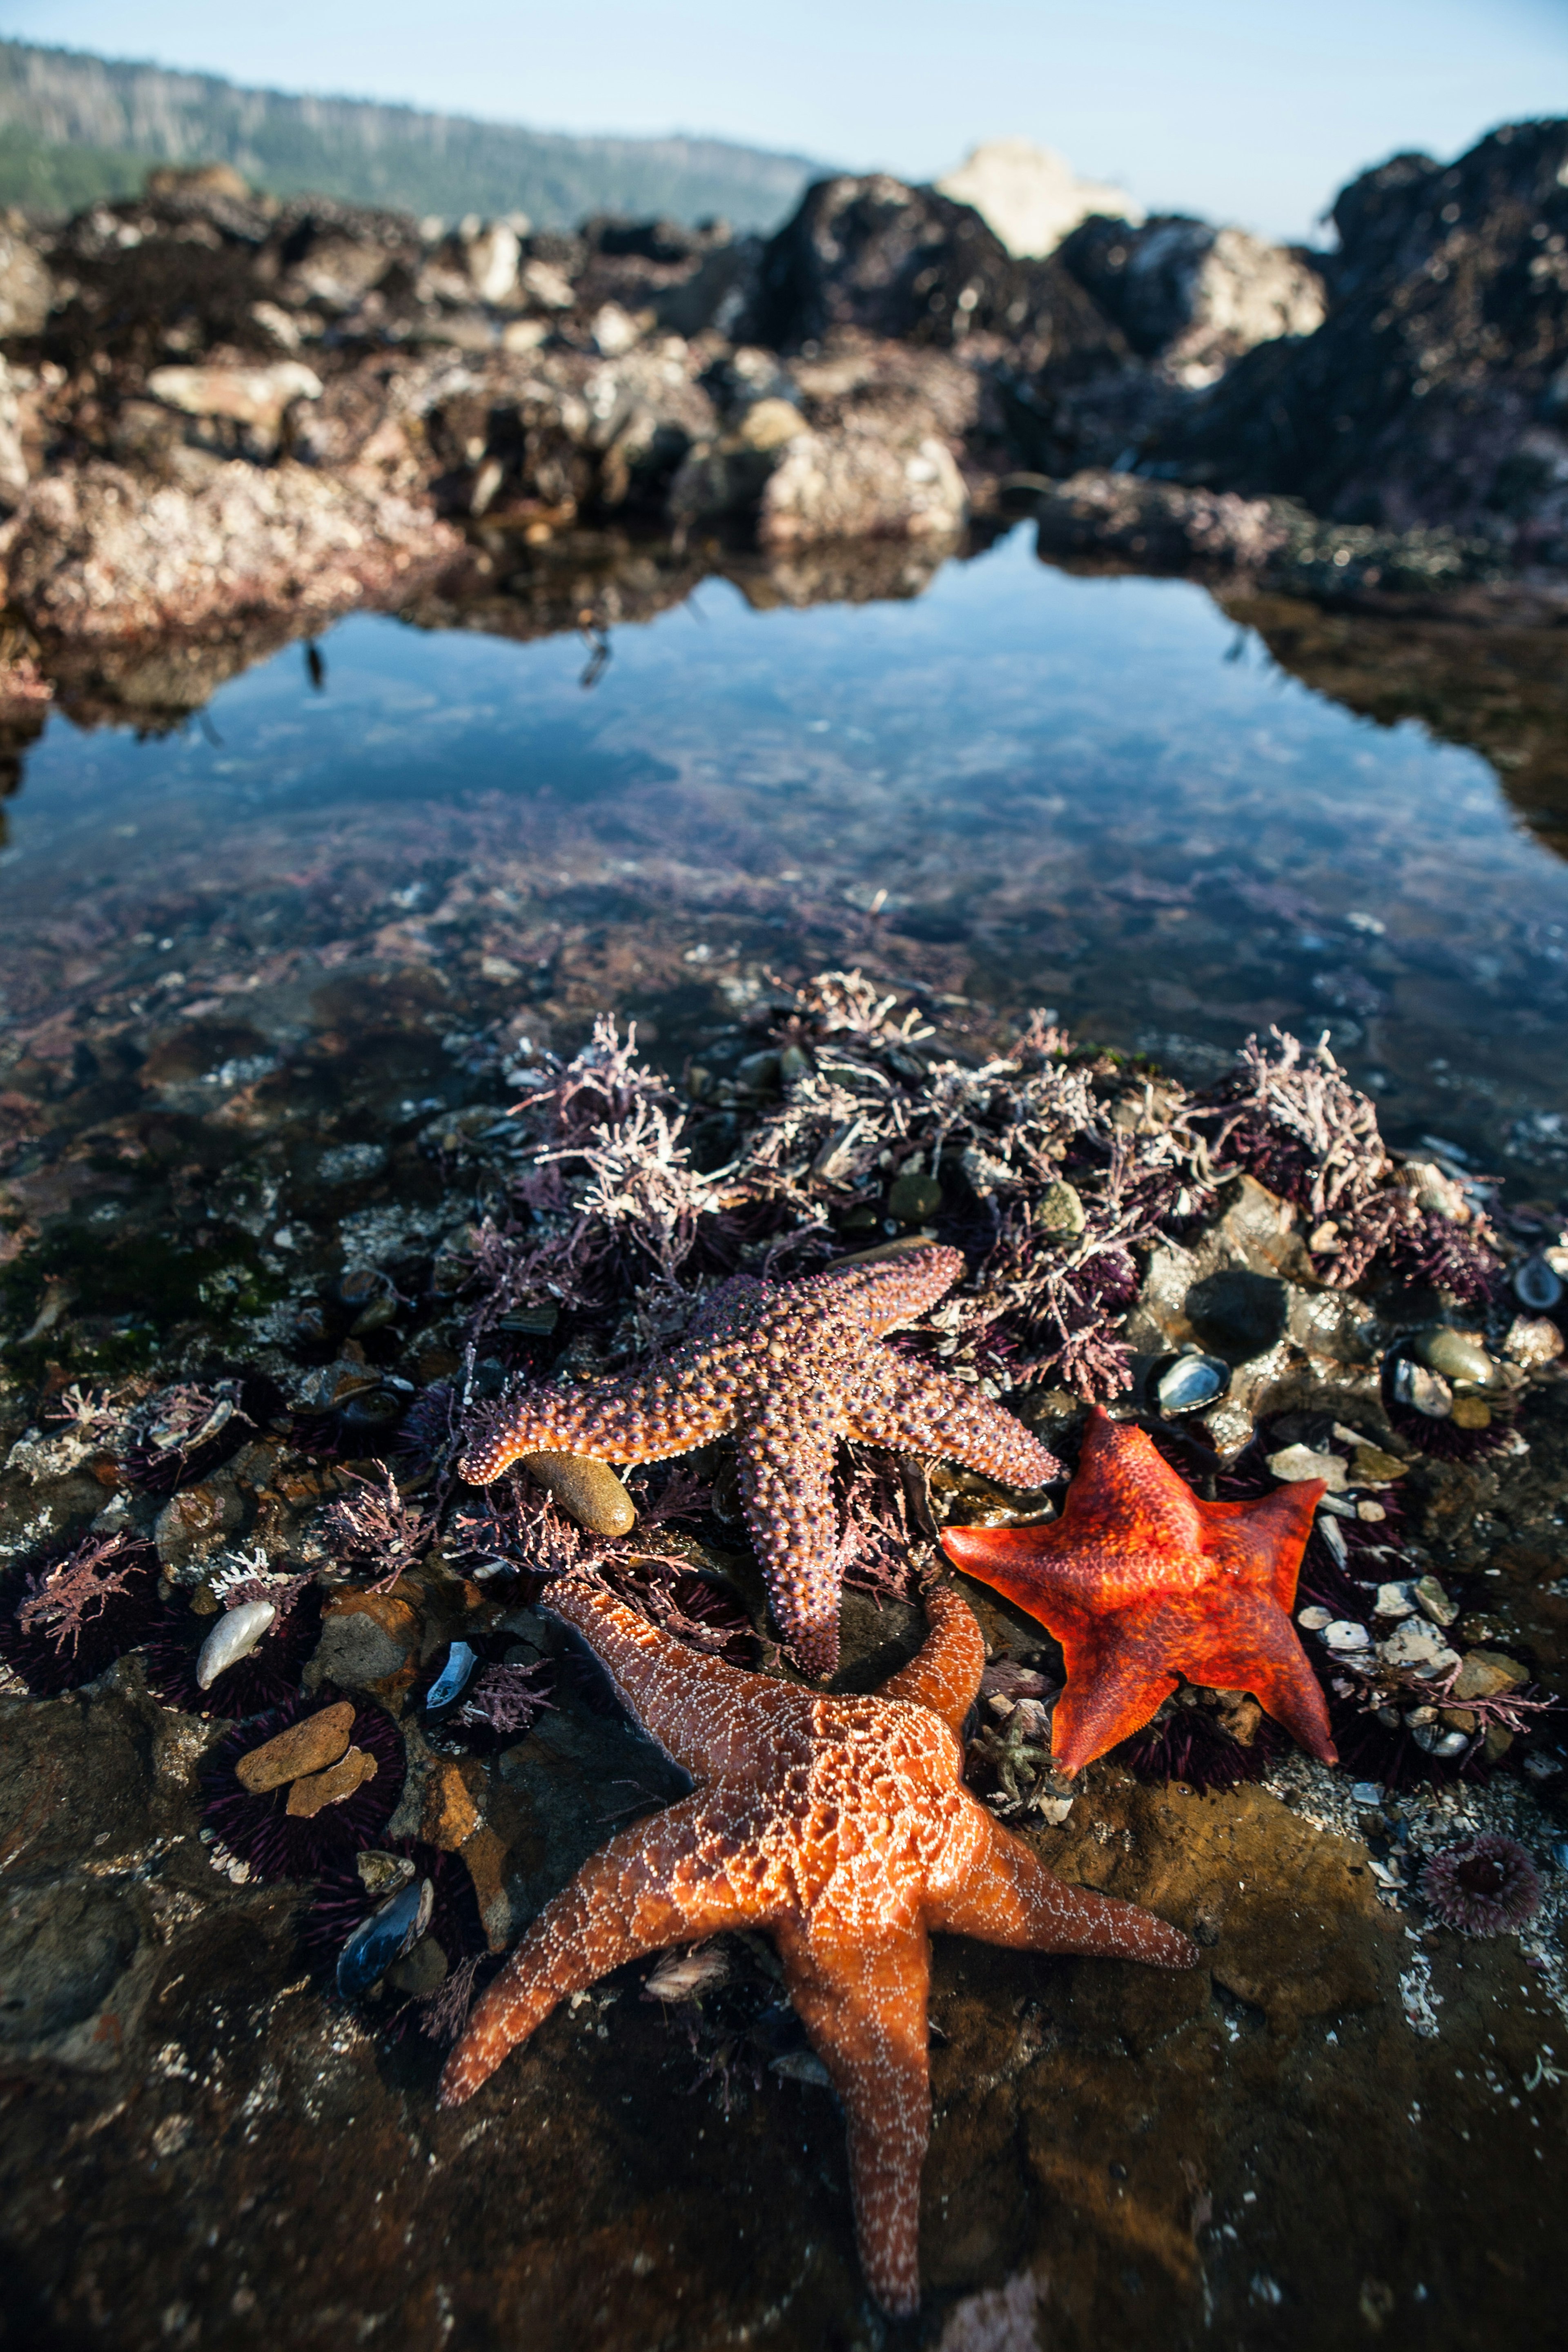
[73,127]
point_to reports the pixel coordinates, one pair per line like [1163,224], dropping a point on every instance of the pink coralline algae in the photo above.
[1487,1885]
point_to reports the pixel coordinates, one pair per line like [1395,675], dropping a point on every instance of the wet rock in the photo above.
[1240,1313]
[1191,296]
[259,396]
[913,1196]
[450,1814]
[315,1790]
[1532,1340]
[63,1949]
[95,555]
[26,289]
[1295,1463]
[1483,1674]
[195,1524]
[307,1746]
[369,1642]
[1457,1356]
[1427,395]
[1059,1209]
[854,485]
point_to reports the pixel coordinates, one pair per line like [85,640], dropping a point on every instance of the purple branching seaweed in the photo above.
[377,1524]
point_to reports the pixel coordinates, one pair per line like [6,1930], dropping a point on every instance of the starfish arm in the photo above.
[1264,1541]
[670,1880]
[863,2006]
[944,1673]
[1253,1646]
[633,1420]
[894,1290]
[1119,1669]
[786,1488]
[1010,1897]
[709,1719]
[914,1408]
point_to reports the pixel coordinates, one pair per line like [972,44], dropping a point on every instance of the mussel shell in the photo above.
[1413,1385]
[1188,1384]
[1535,1285]
[384,1937]
[461,1660]
[540,1321]
[234,1637]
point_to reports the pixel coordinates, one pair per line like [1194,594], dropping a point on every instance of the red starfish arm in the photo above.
[1264,1541]
[944,1673]
[1010,1897]
[894,1290]
[642,1419]
[670,1880]
[863,2005]
[1246,1643]
[786,1488]
[1119,1669]
[914,1408]
[708,1718]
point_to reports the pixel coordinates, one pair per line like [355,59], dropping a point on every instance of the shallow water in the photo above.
[1100,794]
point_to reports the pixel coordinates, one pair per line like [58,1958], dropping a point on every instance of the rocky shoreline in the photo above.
[218,411]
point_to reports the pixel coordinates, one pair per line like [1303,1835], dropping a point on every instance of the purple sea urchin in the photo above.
[1485,1885]
[261,1830]
[65,1618]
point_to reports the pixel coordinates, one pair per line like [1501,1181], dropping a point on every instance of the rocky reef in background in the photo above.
[216,409]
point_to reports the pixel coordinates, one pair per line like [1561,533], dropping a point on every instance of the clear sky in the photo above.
[1240,109]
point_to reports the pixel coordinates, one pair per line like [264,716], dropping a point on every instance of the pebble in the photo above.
[1532,1340]
[1315,1617]
[1059,1209]
[316,1790]
[1469,1413]
[234,1637]
[1455,1354]
[1367,1509]
[587,1491]
[308,1745]
[913,1196]
[1295,1463]
[1484,1673]
[1371,1467]
[1434,1603]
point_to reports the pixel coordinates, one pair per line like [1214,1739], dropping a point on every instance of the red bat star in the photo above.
[1140,1581]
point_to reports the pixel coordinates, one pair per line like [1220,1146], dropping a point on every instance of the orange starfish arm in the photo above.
[1253,1646]
[863,2006]
[1264,1541]
[621,1420]
[894,1290]
[670,1880]
[786,1490]
[1010,1897]
[944,1673]
[709,1719]
[915,1409]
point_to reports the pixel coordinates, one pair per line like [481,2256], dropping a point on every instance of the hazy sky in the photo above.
[1241,109]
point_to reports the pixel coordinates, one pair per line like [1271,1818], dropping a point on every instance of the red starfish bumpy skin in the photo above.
[1139,1580]
[839,1825]
[790,1369]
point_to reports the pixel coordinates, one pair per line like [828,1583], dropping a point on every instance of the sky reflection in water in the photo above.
[1098,794]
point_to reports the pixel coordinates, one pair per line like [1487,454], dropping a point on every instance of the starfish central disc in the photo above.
[1141,1580]
[790,1369]
[841,1827]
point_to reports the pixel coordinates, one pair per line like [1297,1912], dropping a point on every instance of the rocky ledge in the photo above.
[215,407]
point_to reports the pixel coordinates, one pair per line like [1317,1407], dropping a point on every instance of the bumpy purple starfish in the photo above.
[790,1369]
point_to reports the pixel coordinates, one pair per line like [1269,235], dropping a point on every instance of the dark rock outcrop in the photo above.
[1191,296]
[1436,389]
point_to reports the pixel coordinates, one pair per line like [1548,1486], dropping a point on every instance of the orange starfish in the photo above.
[839,1825]
[1141,1582]
[790,1368]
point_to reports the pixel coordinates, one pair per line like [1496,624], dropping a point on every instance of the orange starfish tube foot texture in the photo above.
[790,1368]
[1141,1582]
[842,1827]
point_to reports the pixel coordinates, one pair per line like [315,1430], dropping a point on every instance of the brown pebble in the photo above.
[588,1491]
[309,1796]
[1469,1413]
[308,1745]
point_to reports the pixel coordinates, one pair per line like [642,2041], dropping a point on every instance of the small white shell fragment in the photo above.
[1295,1463]
[1315,1617]
[1345,1635]
[1367,1792]
[1054,1811]
[1397,1599]
[234,1637]
[1434,1603]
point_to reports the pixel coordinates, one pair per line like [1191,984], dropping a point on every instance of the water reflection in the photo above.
[1111,796]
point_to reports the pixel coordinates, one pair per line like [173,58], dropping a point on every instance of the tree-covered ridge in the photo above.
[73,127]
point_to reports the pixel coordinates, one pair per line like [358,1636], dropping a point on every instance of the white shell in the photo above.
[234,1637]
